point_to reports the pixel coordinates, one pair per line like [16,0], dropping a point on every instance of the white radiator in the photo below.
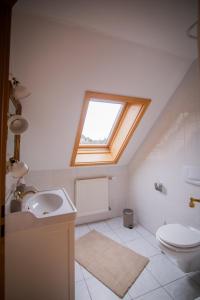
[91,196]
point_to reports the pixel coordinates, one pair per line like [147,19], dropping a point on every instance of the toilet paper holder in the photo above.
[158,186]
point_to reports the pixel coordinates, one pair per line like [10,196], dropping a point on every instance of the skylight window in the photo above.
[99,122]
[107,123]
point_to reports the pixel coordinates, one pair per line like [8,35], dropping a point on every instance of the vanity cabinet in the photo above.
[39,259]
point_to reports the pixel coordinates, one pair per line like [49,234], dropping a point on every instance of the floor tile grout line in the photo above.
[103,221]
[134,239]
[171,261]
[80,271]
[198,283]
[166,256]
[157,248]
[133,298]
[115,232]
[88,289]
[185,276]
[119,236]
[168,293]
[147,239]
[85,280]
[145,294]
[149,232]
[79,280]
[148,256]
[153,277]
[163,285]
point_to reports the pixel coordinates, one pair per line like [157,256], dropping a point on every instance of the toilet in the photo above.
[182,244]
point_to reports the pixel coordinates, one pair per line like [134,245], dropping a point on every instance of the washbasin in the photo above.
[44,203]
[49,203]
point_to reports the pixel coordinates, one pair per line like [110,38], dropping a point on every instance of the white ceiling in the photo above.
[160,24]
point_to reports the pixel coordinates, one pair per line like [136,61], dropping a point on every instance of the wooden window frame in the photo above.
[89,155]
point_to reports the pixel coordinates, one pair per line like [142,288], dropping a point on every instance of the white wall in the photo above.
[58,63]
[174,141]
[118,185]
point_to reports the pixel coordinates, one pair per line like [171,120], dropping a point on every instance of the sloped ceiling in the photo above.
[59,49]
[157,24]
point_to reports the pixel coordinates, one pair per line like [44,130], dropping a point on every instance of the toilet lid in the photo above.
[179,236]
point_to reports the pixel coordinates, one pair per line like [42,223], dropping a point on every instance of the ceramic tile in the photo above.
[144,283]
[86,274]
[126,234]
[152,240]
[81,230]
[99,226]
[99,291]
[159,271]
[144,232]
[158,294]
[78,272]
[143,247]
[164,270]
[112,236]
[183,289]
[115,222]
[171,259]
[81,291]
[195,276]
[147,235]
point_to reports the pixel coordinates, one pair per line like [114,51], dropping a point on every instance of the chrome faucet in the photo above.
[22,190]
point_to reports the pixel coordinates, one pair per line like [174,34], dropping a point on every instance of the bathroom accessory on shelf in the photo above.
[19,91]
[17,124]
[18,169]
[192,200]
[192,174]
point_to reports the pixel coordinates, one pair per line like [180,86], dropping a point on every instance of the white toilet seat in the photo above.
[178,249]
[179,238]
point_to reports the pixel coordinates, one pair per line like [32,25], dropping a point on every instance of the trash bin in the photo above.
[128,218]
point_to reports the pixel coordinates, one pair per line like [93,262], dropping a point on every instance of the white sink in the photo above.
[44,203]
[43,208]
[49,203]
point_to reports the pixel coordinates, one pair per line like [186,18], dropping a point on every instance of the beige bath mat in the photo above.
[113,264]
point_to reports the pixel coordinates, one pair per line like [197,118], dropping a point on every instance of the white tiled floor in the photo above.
[161,279]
